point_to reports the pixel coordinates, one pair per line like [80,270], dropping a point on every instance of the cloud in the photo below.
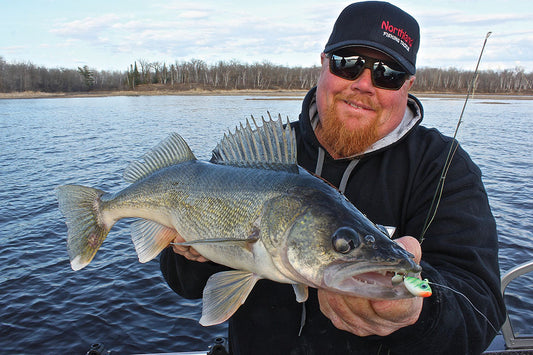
[197,32]
[251,32]
[13,49]
[88,27]
[193,14]
[450,18]
[288,33]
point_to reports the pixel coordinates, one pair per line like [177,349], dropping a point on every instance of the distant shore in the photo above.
[288,94]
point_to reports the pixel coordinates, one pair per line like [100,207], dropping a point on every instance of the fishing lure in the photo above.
[417,287]
[421,288]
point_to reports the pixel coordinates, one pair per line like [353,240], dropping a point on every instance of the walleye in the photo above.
[252,208]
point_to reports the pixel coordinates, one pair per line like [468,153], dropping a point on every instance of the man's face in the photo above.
[354,114]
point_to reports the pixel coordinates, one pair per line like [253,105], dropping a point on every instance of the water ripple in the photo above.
[47,307]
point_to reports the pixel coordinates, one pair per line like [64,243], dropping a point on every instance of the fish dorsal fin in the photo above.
[271,146]
[172,150]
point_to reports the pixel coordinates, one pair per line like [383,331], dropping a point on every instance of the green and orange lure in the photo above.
[417,287]
[421,288]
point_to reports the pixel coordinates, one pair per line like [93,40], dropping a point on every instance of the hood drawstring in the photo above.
[345,175]
[412,116]
[320,161]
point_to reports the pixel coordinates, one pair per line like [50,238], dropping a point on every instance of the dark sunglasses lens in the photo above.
[346,68]
[386,77]
[383,76]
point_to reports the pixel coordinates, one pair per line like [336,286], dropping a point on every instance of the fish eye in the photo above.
[345,240]
[342,245]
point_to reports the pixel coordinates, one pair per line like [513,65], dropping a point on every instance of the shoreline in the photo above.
[287,94]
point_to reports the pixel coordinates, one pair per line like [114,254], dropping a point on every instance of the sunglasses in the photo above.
[384,75]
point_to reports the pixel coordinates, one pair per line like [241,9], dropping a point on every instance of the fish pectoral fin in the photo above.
[150,238]
[224,293]
[301,291]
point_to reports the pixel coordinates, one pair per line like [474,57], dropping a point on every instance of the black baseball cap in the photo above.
[379,25]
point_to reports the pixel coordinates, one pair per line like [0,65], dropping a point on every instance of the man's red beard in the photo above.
[342,141]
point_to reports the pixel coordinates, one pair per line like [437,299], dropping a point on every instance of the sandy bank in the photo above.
[39,95]
[259,93]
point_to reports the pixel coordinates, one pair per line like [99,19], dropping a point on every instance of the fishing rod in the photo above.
[453,148]
[416,286]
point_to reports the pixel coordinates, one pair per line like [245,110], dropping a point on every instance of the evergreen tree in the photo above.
[88,77]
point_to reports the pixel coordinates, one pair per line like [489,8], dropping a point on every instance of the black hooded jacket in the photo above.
[393,185]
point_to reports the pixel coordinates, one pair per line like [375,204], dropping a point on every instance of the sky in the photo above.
[113,34]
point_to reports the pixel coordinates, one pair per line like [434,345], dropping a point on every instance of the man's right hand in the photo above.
[187,251]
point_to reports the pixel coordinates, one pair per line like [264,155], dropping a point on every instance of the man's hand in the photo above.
[364,317]
[187,251]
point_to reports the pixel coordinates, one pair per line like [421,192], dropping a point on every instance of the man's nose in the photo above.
[364,81]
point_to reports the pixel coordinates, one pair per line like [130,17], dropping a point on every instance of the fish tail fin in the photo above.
[80,207]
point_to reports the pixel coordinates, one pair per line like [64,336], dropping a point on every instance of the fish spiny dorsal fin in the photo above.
[270,146]
[172,150]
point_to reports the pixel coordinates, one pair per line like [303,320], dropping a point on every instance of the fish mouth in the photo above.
[368,281]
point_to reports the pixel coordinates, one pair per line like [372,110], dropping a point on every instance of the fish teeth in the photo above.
[368,282]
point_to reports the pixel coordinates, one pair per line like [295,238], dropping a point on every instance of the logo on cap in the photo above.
[397,34]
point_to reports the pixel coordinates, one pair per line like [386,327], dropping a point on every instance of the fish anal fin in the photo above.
[224,293]
[150,238]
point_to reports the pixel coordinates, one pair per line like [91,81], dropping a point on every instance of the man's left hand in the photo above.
[364,317]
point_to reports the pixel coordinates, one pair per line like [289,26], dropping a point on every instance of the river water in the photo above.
[45,307]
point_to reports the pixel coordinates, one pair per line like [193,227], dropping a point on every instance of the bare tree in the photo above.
[196,73]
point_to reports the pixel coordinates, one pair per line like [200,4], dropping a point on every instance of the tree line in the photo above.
[233,75]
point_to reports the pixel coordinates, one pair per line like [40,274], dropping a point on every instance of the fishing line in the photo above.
[462,294]
[432,212]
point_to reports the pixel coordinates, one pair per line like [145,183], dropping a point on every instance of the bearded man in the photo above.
[360,130]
